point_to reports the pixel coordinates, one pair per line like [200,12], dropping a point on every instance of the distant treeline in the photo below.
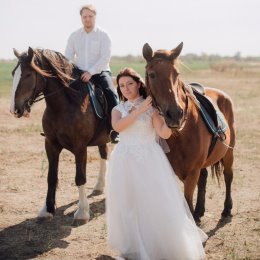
[185,58]
[194,57]
[193,62]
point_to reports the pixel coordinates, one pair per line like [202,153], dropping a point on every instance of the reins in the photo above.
[40,96]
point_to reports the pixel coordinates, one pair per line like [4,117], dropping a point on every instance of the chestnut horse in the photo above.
[68,120]
[190,141]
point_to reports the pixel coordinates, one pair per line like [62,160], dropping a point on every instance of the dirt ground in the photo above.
[23,186]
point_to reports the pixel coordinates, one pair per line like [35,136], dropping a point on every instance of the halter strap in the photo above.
[40,96]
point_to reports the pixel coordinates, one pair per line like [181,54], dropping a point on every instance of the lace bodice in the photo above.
[141,131]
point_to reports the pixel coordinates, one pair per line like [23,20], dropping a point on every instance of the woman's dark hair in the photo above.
[129,72]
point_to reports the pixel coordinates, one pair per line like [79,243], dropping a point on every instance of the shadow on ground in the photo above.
[32,237]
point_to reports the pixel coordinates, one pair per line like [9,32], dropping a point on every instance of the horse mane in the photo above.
[58,66]
[189,92]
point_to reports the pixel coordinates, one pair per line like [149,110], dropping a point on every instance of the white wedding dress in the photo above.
[147,215]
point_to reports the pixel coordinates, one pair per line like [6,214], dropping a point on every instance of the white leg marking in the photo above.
[43,213]
[102,175]
[82,212]
[17,76]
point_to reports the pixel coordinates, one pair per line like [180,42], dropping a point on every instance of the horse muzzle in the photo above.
[21,111]
[174,119]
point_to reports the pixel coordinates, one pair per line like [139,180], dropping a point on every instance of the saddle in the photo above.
[98,100]
[211,115]
[95,92]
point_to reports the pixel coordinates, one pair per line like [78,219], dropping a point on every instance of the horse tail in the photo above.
[217,170]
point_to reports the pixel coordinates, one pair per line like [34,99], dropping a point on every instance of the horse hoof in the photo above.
[81,215]
[79,222]
[95,193]
[197,221]
[44,214]
[196,217]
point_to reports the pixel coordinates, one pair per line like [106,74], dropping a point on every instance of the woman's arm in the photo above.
[119,124]
[160,126]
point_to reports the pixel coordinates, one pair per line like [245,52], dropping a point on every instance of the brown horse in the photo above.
[68,120]
[190,141]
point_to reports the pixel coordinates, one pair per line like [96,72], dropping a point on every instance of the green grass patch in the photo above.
[187,66]
[116,66]
[6,68]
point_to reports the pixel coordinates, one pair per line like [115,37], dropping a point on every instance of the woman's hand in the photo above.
[119,123]
[145,105]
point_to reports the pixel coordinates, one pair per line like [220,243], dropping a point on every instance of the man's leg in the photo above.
[104,79]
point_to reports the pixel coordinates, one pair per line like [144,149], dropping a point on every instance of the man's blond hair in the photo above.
[91,8]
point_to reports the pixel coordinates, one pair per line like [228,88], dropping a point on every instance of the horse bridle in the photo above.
[35,97]
[153,98]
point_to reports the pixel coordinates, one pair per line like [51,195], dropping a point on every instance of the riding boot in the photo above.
[114,136]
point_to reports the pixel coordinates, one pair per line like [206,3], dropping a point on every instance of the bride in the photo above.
[147,215]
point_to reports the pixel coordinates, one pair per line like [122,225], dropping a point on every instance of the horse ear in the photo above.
[30,52]
[176,52]
[147,52]
[16,53]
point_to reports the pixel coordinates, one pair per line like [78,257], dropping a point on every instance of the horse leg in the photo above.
[189,187]
[228,175]
[53,152]
[200,204]
[99,187]
[82,213]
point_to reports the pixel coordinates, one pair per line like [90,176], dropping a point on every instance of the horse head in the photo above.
[35,68]
[24,83]
[162,80]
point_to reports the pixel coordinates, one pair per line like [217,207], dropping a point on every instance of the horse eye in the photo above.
[152,75]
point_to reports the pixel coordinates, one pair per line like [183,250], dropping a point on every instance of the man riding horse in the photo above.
[90,49]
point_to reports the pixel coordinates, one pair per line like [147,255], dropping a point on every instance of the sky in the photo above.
[223,27]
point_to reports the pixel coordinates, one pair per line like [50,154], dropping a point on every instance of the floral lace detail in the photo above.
[140,133]
[142,130]
[125,107]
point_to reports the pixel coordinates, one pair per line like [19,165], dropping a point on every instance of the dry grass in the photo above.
[23,185]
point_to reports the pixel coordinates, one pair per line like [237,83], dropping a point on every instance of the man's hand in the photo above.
[86,76]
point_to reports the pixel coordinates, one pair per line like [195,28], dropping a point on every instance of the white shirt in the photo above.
[89,51]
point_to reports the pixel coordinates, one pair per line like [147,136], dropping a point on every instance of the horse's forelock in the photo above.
[24,58]
[162,54]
